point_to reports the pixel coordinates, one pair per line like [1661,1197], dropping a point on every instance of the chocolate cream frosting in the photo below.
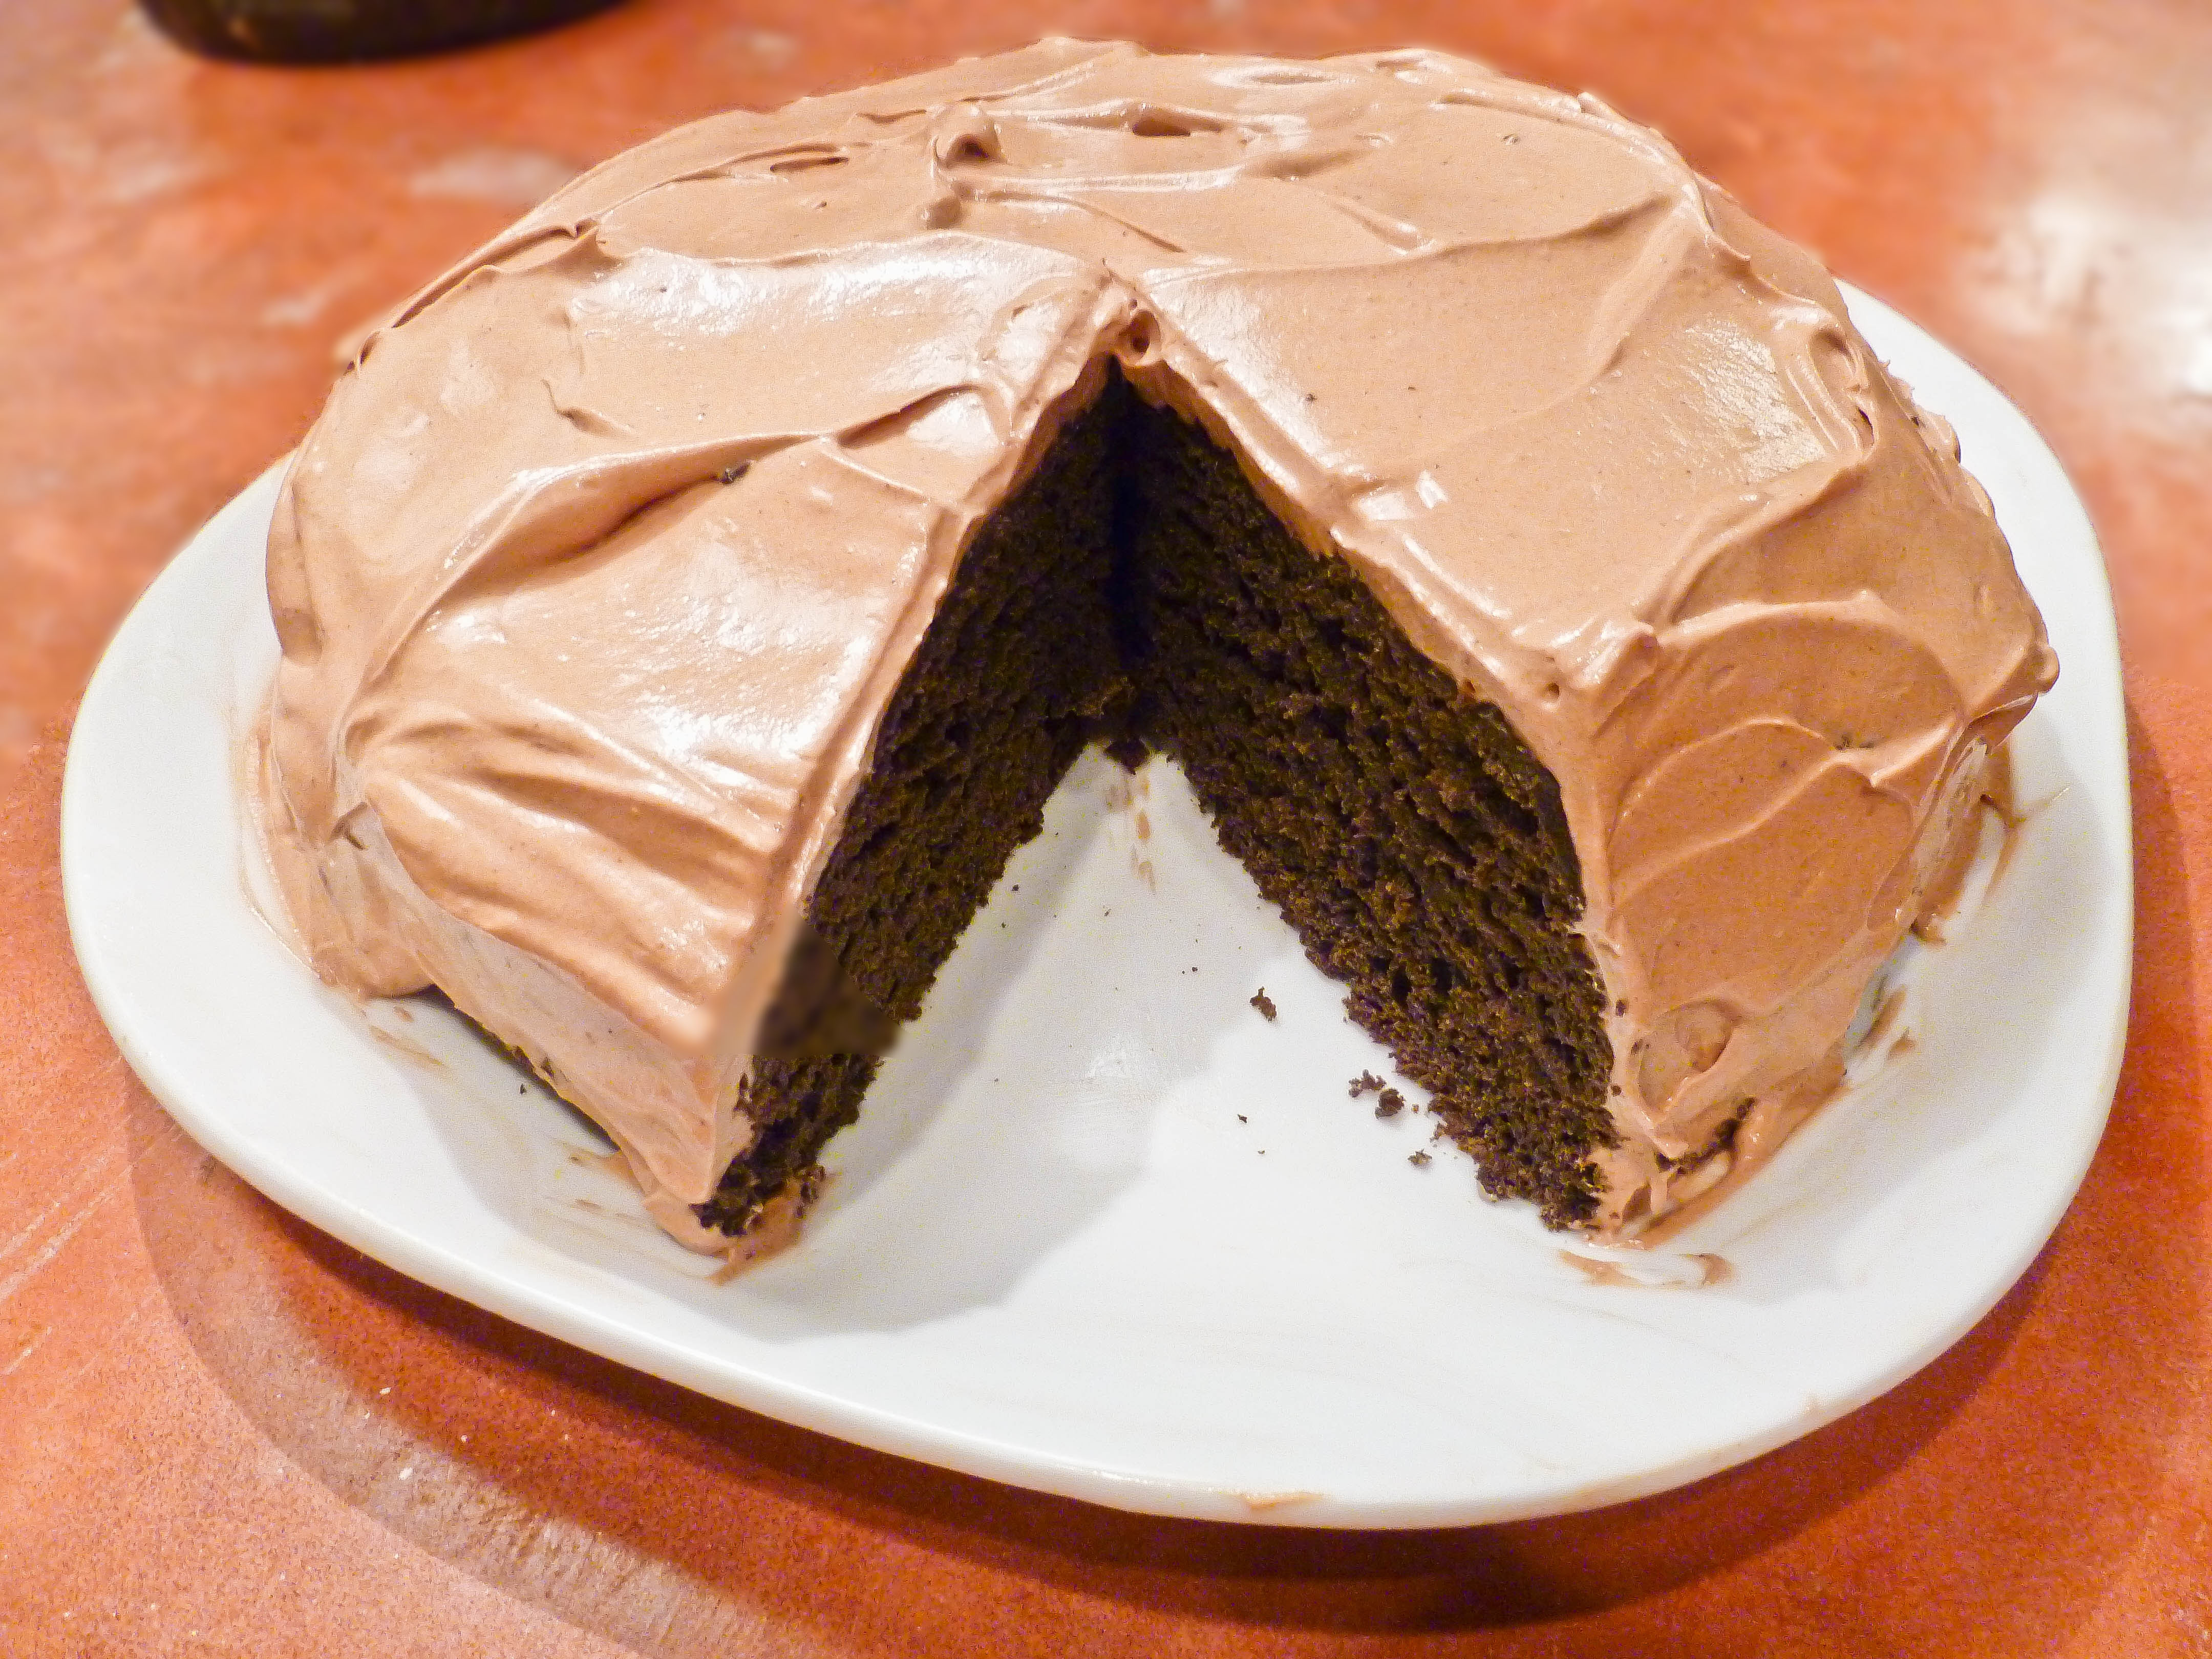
[599,568]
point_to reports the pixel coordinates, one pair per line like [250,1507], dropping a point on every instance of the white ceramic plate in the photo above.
[1105,1232]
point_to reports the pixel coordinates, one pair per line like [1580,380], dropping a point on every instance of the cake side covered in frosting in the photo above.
[599,568]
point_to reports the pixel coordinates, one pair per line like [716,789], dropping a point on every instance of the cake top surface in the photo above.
[608,549]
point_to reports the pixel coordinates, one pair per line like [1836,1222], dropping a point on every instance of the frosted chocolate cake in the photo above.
[690,601]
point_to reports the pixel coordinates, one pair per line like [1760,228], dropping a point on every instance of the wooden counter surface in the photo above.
[223,1433]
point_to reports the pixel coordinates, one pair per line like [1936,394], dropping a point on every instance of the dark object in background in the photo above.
[344,31]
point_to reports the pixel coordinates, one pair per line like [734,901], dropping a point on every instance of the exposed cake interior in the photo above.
[1398,823]
[1006,686]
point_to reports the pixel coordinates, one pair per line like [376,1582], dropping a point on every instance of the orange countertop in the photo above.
[222,1433]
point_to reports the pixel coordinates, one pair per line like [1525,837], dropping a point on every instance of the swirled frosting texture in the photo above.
[606,554]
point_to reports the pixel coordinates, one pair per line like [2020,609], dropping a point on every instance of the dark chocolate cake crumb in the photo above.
[1264,1003]
[993,709]
[1400,823]
[1390,1103]
[1136,590]
[1128,751]
[1418,1160]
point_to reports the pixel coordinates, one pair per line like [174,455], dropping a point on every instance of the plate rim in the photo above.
[869,1424]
